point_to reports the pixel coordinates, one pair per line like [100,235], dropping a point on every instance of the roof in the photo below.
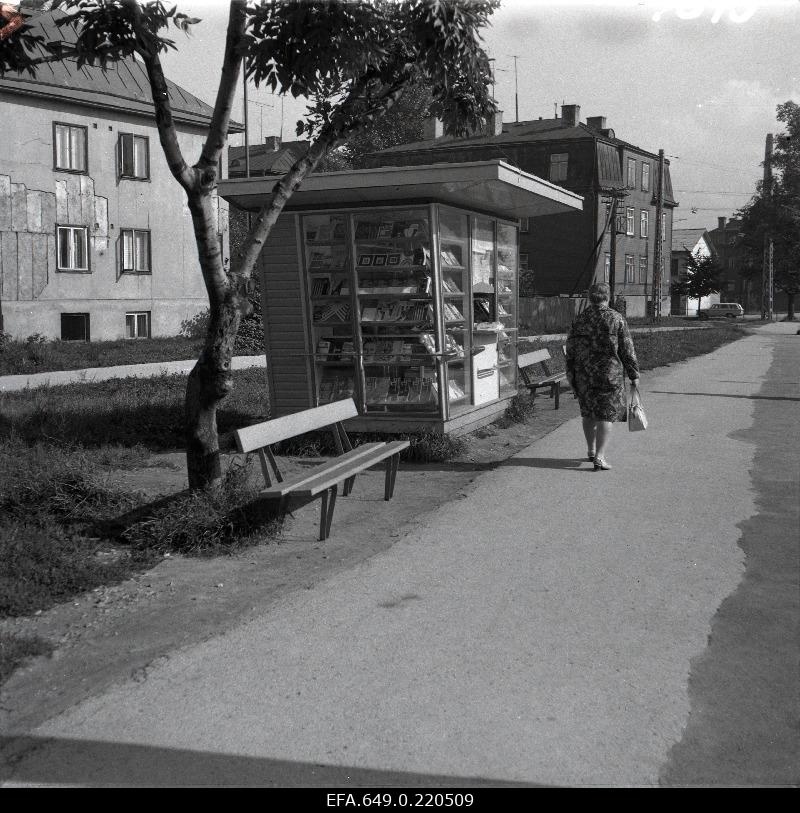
[687,239]
[264,159]
[493,186]
[122,87]
[522,131]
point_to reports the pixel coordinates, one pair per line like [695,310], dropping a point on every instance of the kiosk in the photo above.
[397,286]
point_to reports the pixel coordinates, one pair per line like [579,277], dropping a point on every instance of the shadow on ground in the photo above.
[95,763]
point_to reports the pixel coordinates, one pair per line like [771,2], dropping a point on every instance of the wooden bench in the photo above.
[323,480]
[532,382]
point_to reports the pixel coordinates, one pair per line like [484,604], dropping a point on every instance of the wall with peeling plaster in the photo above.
[35,198]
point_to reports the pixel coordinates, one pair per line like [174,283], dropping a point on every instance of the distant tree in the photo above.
[352,59]
[702,278]
[774,213]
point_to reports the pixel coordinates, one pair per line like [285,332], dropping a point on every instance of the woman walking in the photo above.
[599,351]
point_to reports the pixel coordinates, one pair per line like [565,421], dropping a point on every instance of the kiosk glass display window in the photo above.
[408,304]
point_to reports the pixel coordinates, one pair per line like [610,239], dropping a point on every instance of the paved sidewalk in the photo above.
[13,383]
[542,628]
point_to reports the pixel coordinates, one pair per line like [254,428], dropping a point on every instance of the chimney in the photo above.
[570,115]
[494,124]
[273,143]
[432,129]
[597,122]
[721,223]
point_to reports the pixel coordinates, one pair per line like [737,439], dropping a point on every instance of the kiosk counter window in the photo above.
[411,311]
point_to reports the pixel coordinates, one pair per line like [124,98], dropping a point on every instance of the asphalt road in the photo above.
[552,626]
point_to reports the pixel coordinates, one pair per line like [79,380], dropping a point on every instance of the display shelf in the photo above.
[399,301]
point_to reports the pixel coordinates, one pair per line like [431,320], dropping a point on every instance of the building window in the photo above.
[134,156]
[73,254]
[642,270]
[631,173]
[523,262]
[607,268]
[135,251]
[663,226]
[524,225]
[137,325]
[645,176]
[644,223]
[558,166]
[630,214]
[69,147]
[75,327]
[629,268]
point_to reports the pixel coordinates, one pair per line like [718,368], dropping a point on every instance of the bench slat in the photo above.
[332,476]
[534,357]
[332,466]
[265,434]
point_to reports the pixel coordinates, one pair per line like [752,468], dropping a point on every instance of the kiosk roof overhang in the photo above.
[491,186]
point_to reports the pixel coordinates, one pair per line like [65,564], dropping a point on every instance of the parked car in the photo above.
[722,310]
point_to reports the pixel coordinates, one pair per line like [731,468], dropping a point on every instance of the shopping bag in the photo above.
[637,420]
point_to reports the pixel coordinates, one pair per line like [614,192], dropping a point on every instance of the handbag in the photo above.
[637,420]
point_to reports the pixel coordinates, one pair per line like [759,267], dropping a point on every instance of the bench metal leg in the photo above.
[326,512]
[392,465]
[348,485]
[556,393]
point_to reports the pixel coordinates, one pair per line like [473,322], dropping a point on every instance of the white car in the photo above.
[722,310]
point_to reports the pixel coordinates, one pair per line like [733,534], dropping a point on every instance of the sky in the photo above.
[700,80]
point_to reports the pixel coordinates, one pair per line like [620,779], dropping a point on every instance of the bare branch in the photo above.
[223,106]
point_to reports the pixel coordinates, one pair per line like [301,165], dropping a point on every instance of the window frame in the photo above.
[663,226]
[644,223]
[133,136]
[643,266]
[524,225]
[85,129]
[87,323]
[136,315]
[63,269]
[629,184]
[630,221]
[134,270]
[630,278]
[645,174]
[560,163]
[607,267]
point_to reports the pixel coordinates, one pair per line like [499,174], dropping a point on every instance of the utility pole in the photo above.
[767,279]
[246,135]
[658,253]
[612,262]
[616,196]
[516,91]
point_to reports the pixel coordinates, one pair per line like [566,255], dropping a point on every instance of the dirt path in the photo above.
[117,632]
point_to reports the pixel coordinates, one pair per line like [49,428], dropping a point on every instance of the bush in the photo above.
[520,408]
[202,522]
[249,338]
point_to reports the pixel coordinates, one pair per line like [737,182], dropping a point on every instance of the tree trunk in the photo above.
[211,379]
[790,307]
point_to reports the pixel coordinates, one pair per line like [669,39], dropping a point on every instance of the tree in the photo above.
[774,213]
[402,124]
[702,278]
[352,59]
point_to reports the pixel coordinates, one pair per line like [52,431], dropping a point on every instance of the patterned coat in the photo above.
[599,349]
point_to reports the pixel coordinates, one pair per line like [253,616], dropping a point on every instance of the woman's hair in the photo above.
[599,292]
